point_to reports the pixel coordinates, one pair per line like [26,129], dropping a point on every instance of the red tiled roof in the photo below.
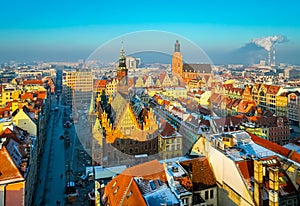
[41,95]
[168,130]
[148,170]
[247,170]
[228,86]
[27,95]
[273,89]
[99,83]
[162,77]
[8,133]
[8,170]
[203,176]
[33,82]
[3,111]
[117,191]
[206,78]
[203,110]
[270,145]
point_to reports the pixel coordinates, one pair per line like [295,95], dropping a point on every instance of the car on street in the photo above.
[67,124]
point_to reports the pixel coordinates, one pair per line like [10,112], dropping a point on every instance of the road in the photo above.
[51,186]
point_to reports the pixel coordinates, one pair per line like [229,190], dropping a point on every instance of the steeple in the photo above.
[177,46]
[122,70]
[122,58]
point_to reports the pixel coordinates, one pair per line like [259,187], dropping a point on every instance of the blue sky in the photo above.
[71,30]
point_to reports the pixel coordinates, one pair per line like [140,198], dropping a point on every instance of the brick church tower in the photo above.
[177,61]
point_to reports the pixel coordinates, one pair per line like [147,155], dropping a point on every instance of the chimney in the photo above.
[273,198]
[273,183]
[269,57]
[258,182]
[274,56]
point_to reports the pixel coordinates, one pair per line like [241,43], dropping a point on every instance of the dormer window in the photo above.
[129,194]
[114,184]
[116,190]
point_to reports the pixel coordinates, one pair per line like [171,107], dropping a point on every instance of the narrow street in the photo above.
[51,184]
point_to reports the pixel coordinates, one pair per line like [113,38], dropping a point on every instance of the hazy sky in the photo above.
[69,30]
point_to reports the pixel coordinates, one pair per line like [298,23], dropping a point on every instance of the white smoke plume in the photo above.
[268,42]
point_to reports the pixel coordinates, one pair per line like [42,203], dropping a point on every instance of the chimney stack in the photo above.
[274,186]
[269,57]
[274,56]
[258,182]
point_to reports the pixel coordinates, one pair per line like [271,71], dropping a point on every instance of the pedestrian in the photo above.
[61,176]
[57,203]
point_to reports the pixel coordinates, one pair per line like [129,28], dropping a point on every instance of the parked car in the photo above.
[67,124]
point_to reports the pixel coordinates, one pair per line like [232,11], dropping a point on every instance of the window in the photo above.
[129,194]
[206,195]
[116,190]
[114,184]
[211,194]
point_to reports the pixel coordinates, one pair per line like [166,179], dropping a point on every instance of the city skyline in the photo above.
[70,31]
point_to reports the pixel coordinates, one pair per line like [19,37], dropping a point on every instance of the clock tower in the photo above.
[122,70]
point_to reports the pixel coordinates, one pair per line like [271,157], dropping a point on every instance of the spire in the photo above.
[122,52]
[177,46]
[122,58]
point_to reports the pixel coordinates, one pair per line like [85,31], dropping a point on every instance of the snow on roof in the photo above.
[103,173]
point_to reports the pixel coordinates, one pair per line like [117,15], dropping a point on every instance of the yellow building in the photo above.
[271,95]
[169,142]
[25,122]
[282,105]
[9,94]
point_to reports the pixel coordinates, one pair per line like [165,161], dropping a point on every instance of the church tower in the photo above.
[122,70]
[177,60]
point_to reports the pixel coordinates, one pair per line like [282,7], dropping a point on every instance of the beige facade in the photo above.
[79,84]
[25,122]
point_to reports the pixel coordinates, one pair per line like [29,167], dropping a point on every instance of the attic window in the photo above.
[114,184]
[129,194]
[116,190]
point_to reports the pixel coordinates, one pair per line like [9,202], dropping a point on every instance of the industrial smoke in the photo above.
[268,43]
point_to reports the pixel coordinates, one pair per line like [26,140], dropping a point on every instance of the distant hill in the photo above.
[151,57]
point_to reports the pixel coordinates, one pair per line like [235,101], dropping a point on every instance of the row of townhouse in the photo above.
[280,101]
[25,108]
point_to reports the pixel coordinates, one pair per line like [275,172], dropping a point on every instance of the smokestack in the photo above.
[269,57]
[268,43]
[274,56]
